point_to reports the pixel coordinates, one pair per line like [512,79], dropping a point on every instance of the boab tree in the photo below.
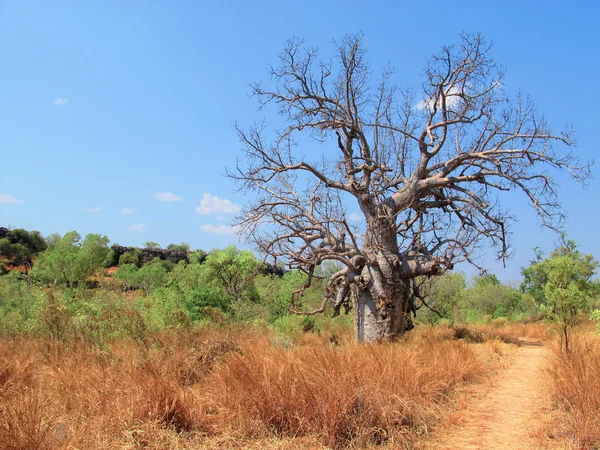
[425,170]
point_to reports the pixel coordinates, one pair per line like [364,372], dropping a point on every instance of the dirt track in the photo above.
[505,415]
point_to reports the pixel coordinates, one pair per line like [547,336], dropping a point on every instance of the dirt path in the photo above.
[505,415]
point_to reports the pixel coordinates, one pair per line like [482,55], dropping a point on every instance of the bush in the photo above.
[19,303]
[130,257]
[54,318]
[206,297]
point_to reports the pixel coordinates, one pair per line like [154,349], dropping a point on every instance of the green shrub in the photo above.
[286,327]
[19,304]
[130,257]
[54,318]
[595,315]
[206,297]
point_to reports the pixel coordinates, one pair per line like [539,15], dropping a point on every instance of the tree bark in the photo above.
[383,301]
[375,321]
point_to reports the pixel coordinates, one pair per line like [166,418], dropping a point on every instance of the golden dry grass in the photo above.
[507,332]
[231,388]
[353,394]
[576,379]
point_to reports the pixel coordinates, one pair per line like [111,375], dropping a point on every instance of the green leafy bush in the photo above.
[130,257]
[205,297]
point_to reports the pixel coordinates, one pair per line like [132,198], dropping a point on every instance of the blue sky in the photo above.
[117,117]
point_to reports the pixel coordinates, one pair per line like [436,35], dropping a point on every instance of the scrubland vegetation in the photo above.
[105,352]
[223,387]
[576,380]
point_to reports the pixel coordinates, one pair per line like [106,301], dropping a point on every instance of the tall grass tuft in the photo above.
[25,422]
[352,394]
[576,378]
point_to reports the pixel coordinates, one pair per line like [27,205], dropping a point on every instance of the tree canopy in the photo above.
[71,260]
[424,169]
[562,284]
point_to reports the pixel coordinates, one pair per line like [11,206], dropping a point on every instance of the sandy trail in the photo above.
[505,415]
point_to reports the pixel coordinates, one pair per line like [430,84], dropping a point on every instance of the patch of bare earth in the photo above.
[513,411]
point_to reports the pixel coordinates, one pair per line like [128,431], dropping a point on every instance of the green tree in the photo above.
[52,239]
[564,279]
[71,260]
[197,257]
[233,270]
[149,277]
[5,248]
[128,273]
[489,297]
[535,279]
[20,245]
[165,263]
[204,300]
[440,297]
[276,292]
[130,257]
[182,247]
[152,276]
[32,240]
[16,253]
[188,277]
[152,245]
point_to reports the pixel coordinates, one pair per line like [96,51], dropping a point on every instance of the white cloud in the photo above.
[167,197]
[214,205]
[94,210]
[137,228]
[452,99]
[9,199]
[126,211]
[222,229]
[353,217]
[60,101]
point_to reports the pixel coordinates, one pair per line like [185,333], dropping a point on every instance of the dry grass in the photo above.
[352,394]
[212,390]
[507,332]
[576,379]
[56,395]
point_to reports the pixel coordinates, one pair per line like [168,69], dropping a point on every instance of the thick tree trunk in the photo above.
[378,319]
[383,301]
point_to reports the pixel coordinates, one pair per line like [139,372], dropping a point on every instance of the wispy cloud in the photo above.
[94,210]
[214,205]
[221,229]
[60,101]
[9,199]
[453,99]
[126,211]
[140,228]
[354,217]
[167,197]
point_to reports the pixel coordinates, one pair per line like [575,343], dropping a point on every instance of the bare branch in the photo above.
[425,170]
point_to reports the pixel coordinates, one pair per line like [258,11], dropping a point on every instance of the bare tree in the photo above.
[424,170]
